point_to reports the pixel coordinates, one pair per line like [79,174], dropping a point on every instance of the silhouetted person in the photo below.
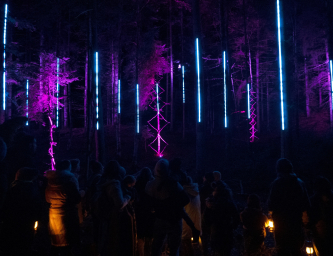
[176,171]
[288,201]
[21,209]
[110,203]
[222,217]
[321,217]
[144,215]
[193,210]
[63,195]
[168,199]
[217,175]
[96,172]
[254,222]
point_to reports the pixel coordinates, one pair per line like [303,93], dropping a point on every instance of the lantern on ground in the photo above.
[309,248]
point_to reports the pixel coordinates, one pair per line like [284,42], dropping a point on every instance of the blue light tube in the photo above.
[4,61]
[280,66]
[57,121]
[27,102]
[225,91]
[137,109]
[248,101]
[119,96]
[96,71]
[198,73]
[157,102]
[183,74]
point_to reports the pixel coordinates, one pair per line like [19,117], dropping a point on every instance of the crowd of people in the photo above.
[153,212]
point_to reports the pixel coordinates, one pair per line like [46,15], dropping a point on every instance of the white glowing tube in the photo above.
[225,91]
[248,101]
[183,74]
[331,71]
[198,73]
[118,96]
[96,72]
[4,61]
[137,109]
[280,67]
[27,102]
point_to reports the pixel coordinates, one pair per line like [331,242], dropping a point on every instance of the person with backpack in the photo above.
[109,202]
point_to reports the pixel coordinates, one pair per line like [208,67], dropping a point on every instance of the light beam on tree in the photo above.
[159,117]
[4,61]
[198,79]
[96,74]
[280,66]
[57,122]
[137,109]
[331,72]
[52,143]
[183,75]
[225,91]
[27,102]
[119,96]
[248,101]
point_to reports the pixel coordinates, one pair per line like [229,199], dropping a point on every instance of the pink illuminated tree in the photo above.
[43,100]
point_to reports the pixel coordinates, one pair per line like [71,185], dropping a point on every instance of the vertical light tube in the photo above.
[198,73]
[27,102]
[248,102]
[280,66]
[57,120]
[183,75]
[96,73]
[158,124]
[119,96]
[225,91]
[4,61]
[137,109]
[331,71]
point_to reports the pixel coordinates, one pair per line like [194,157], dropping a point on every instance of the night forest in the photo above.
[51,47]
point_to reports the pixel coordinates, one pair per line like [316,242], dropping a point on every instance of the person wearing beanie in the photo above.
[288,204]
[254,222]
[168,199]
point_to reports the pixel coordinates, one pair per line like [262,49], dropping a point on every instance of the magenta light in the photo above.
[137,109]
[159,117]
[183,75]
[4,61]
[57,122]
[253,116]
[52,143]
[27,102]
[96,73]
[248,101]
[119,96]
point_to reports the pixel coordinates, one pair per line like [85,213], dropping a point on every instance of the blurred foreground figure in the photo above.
[222,217]
[288,201]
[63,195]
[168,199]
[321,217]
[254,223]
[21,209]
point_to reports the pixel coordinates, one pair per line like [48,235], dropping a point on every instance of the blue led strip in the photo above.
[198,73]
[248,101]
[27,102]
[57,120]
[137,109]
[225,91]
[118,96]
[4,61]
[183,74]
[280,67]
[96,73]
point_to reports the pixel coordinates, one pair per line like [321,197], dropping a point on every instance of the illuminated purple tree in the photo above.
[44,87]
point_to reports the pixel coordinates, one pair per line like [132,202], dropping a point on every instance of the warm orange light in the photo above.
[191,238]
[309,250]
[271,225]
[36,225]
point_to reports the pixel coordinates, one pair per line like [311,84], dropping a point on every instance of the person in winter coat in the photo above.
[21,210]
[254,223]
[222,217]
[145,217]
[111,202]
[321,217]
[168,199]
[193,211]
[288,202]
[63,195]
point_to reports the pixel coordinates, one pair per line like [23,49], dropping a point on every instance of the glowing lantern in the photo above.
[192,239]
[309,250]
[36,225]
[271,226]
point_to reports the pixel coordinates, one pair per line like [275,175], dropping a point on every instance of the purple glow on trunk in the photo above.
[4,60]
[52,143]
[159,117]
[57,92]
[27,102]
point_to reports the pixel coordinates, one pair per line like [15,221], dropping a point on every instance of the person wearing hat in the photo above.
[288,204]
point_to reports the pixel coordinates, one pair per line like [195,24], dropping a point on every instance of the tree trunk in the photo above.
[258,96]
[171,67]
[86,93]
[307,89]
